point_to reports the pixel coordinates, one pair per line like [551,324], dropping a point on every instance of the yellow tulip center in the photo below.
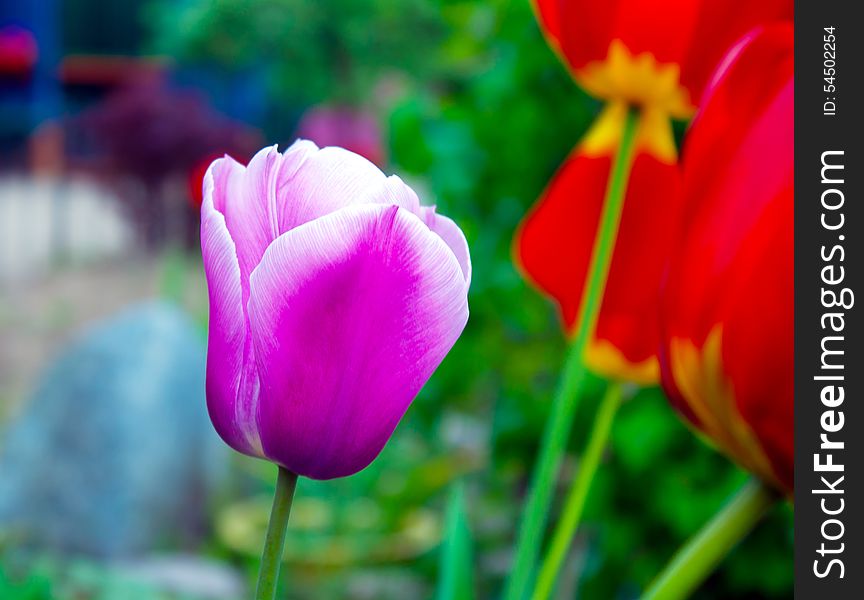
[639,80]
[604,358]
[623,80]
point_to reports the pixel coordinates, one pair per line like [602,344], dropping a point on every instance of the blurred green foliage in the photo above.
[313,51]
[78,580]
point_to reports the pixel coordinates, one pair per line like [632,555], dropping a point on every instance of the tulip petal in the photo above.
[553,243]
[333,178]
[452,236]
[727,305]
[278,192]
[231,380]
[350,314]
[763,373]
[739,104]
[548,13]
[554,250]
[246,197]
[392,190]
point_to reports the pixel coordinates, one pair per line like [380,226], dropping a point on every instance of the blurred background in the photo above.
[112,483]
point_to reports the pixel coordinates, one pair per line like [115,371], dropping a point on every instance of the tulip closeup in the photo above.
[655,57]
[727,305]
[334,295]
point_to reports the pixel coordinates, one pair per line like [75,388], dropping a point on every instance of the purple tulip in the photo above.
[333,297]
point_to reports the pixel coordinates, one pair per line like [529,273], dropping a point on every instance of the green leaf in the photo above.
[456,577]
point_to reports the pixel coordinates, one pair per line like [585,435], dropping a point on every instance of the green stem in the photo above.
[274,542]
[575,503]
[560,420]
[699,557]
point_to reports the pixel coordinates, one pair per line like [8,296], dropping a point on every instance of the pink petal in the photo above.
[278,192]
[332,178]
[248,197]
[350,315]
[231,379]
[395,191]
[452,236]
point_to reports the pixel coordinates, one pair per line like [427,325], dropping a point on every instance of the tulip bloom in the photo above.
[333,297]
[727,305]
[656,56]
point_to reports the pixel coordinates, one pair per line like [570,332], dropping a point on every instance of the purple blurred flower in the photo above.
[151,131]
[19,51]
[351,128]
[333,295]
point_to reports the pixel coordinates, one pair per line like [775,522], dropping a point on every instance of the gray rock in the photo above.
[114,454]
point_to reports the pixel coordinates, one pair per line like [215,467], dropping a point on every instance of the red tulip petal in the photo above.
[718,26]
[727,305]
[548,13]
[555,241]
[662,29]
[761,373]
[753,72]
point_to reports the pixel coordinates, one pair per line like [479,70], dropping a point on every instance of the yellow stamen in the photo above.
[637,79]
[603,357]
[654,135]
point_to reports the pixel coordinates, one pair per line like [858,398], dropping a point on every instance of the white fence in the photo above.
[46,222]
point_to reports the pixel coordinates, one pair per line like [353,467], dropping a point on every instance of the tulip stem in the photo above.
[563,410]
[568,522]
[274,542]
[704,551]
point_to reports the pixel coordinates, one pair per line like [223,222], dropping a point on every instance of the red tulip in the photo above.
[727,305]
[657,53]
[195,180]
[657,57]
